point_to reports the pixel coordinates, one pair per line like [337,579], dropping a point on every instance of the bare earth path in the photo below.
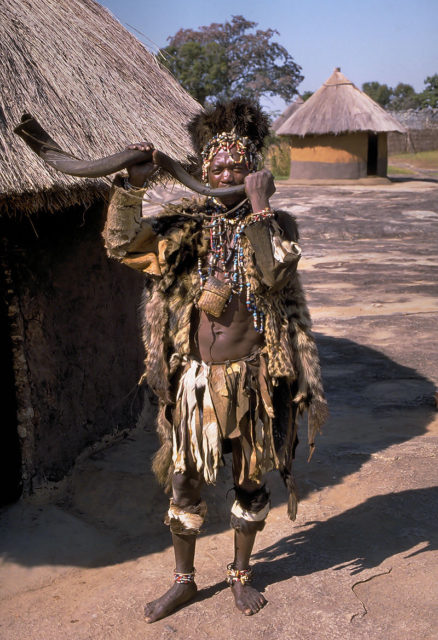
[80,560]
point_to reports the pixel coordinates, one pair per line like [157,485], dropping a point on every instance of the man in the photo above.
[227,335]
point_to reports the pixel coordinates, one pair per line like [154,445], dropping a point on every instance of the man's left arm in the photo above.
[273,239]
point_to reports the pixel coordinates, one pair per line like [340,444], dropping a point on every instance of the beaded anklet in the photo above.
[238,575]
[184,578]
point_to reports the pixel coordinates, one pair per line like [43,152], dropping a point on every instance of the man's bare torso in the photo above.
[232,336]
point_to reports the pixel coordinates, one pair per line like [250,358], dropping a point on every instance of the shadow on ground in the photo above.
[359,538]
[113,511]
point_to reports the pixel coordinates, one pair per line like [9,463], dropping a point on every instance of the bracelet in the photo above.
[130,187]
[258,216]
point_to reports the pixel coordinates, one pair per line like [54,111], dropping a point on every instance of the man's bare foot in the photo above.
[248,600]
[177,595]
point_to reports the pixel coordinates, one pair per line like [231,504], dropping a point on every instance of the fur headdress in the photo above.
[239,122]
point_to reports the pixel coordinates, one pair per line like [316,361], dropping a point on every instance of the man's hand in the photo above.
[139,173]
[259,187]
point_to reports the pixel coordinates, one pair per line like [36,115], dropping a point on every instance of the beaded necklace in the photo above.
[226,252]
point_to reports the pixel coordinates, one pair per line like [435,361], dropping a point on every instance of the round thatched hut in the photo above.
[286,114]
[339,133]
[70,344]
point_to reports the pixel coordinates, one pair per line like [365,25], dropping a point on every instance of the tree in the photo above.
[381,93]
[306,95]
[429,97]
[404,97]
[233,58]
[200,68]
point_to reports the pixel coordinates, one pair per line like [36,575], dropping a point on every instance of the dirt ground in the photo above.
[81,558]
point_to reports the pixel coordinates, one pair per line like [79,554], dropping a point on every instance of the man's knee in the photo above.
[250,508]
[187,511]
[186,488]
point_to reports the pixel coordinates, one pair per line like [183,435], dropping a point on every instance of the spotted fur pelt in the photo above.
[292,354]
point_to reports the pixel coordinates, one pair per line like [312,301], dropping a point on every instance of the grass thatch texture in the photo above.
[338,107]
[290,109]
[91,84]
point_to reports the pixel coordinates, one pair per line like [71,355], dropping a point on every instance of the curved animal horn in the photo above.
[46,148]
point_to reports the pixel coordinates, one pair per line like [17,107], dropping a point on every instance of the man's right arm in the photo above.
[129,238]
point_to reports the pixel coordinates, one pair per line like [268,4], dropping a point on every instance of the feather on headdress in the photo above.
[239,122]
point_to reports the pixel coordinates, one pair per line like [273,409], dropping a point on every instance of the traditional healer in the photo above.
[229,351]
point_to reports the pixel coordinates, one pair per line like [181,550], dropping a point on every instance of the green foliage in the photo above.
[429,97]
[306,95]
[233,58]
[404,96]
[380,93]
[200,68]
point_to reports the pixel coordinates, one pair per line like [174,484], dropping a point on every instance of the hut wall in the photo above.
[78,353]
[10,452]
[329,157]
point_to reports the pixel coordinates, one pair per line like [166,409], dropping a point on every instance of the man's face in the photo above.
[227,170]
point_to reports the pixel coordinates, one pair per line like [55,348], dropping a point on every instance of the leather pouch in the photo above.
[214,296]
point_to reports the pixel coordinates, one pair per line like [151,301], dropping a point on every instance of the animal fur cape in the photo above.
[168,306]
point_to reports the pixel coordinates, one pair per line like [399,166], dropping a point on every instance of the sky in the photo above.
[384,40]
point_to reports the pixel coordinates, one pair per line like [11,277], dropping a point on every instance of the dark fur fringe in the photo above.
[292,501]
[318,414]
[241,114]
[252,500]
[162,465]
[154,338]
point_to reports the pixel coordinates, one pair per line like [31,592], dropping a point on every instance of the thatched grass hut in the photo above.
[286,114]
[339,133]
[70,332]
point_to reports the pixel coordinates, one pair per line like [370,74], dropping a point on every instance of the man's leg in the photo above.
[248,516]
[185,517]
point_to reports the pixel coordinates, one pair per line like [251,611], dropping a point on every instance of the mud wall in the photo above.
[329,156]
[78,353]
[422,131]
[413,141]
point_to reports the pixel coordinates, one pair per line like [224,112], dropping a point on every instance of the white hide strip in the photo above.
[249,516]
[190,521]
[205,447]
[283,250]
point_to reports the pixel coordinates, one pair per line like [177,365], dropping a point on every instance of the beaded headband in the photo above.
[225,141]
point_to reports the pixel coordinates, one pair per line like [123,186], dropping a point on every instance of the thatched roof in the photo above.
[338,107]
[91,84]
[290,109]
